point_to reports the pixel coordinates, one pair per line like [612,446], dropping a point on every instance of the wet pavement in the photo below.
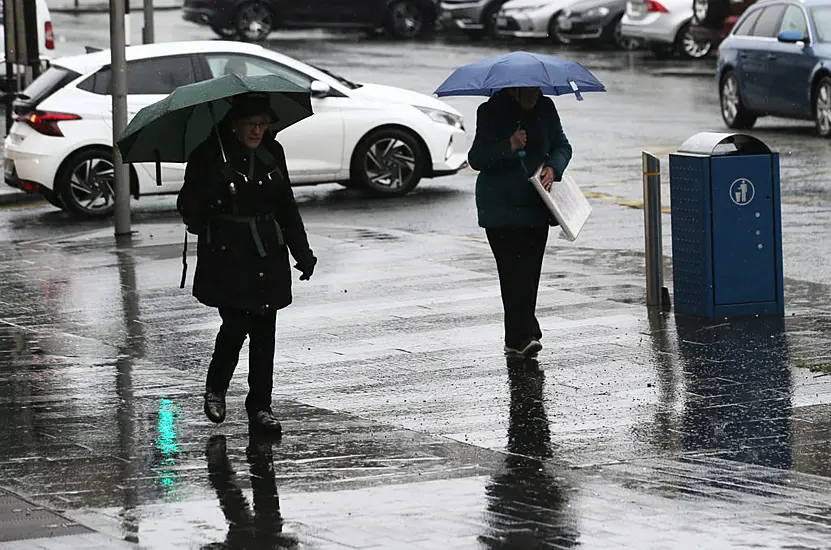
[404,425]
[405,428]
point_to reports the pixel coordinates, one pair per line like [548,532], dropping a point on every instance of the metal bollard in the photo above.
[656,294]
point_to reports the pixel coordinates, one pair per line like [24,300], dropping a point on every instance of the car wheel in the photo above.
[86,183]
[389,162]
[407,20]
[254,21]
[554,31]
[709,12]
[822,106]
[228,32]
[733,111]
[689,46]
[614,35]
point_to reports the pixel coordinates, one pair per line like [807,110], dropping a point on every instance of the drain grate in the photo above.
[20,520]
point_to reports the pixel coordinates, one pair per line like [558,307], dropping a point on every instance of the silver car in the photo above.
[665,26]
[475,18]
[530,18]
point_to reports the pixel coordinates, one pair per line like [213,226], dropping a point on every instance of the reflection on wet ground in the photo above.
[404,427]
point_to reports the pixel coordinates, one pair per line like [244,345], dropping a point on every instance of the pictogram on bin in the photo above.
[726,227]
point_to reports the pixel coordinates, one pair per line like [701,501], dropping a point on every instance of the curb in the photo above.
[19,197]
[106,9]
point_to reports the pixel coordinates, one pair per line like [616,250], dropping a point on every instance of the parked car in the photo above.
[46,35]
[596,20]
[531,19]
[714,19]
[253,20]
[377,137]
[476,18]
[665,27]
[777,62]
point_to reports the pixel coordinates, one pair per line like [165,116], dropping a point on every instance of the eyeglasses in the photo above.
[252,125]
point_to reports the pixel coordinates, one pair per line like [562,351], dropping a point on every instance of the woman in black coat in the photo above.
[247,220]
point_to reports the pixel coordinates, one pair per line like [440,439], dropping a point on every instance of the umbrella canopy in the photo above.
[553,75]
[170,129]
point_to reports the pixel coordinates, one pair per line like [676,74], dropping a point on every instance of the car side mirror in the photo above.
[320,89]
[792,37]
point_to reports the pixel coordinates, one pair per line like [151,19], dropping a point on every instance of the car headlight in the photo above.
[597,12]
[443,117]
[533,8]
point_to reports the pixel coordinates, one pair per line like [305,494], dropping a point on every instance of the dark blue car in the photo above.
[777,62]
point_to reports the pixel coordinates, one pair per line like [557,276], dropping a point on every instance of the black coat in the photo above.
[247,221]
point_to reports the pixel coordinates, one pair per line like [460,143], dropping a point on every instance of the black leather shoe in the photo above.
[264,421]
[215,406]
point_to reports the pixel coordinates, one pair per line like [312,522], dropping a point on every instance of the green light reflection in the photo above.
[168,447]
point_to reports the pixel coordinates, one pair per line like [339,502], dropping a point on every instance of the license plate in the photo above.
[501,22]
[565,24]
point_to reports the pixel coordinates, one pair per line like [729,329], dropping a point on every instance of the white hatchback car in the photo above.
[361,135]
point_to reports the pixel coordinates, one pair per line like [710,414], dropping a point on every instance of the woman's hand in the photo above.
[518,140]
[547,177]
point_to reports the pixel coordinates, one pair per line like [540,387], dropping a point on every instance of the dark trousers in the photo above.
[236,326]
[519,252]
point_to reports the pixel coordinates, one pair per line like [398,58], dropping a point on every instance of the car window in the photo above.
[156,76]
[160,75]
[98,83]
[52,80]
[794,20]
[247,65]
[745,28]
[822,22]
[768,23]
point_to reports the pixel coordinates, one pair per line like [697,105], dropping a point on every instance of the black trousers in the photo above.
[519,252]
[238,324]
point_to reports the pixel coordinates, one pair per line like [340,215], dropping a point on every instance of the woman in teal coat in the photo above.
[517,131]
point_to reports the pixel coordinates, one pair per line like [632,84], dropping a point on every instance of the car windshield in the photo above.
[348,83]
[822,21]
[48,83]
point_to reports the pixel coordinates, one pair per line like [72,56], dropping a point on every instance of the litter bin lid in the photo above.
[714,144]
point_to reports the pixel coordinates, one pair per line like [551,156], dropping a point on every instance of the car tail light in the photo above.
[655,7]
[46,123]
[50,36]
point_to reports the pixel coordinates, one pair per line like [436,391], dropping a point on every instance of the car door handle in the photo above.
[771,57]
[742,55]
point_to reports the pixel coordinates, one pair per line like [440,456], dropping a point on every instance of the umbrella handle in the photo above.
[213,118]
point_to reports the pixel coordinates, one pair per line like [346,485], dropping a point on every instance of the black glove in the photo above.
[307,268]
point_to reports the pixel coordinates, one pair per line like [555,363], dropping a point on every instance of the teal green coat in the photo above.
[504,196]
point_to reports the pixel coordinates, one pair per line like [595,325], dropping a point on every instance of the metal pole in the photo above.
[148,32]
[652,229]
[11,58]
[118,69]
[127,32]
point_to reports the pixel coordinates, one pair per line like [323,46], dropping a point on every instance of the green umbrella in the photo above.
[170,129]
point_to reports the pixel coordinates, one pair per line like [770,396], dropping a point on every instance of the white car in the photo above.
[361,135]
[664,25]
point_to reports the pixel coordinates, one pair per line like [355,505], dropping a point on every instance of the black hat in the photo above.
[251,104]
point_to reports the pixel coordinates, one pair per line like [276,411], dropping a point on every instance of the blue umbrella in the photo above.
[553,75]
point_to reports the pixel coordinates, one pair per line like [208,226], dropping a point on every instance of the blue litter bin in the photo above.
[726,227]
